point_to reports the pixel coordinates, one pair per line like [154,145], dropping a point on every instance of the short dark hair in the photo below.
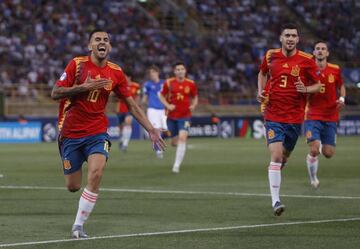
[289,25]
[154,67]
[96,31]
[178,63]
[321,41]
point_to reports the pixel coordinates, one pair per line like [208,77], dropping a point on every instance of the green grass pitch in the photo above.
[222,185]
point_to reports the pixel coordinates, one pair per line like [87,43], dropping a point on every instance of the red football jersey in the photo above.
[285,104]
[84,114]
[179,94]
[134,89]
[322,106]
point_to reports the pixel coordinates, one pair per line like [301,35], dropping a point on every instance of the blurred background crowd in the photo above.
[222,42]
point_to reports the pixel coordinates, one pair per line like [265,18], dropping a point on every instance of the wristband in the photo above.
[342,99]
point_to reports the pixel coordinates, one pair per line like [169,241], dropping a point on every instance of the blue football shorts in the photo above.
[175,125]
[321,130]
[288,134]
[75,151]
[121,116]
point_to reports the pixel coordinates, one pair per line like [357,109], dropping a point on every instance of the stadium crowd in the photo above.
[38,37]
[339,25]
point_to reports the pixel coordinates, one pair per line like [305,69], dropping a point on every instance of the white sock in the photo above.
[180,153]
[274,181]
[312,166]
[86,204]
[126,135]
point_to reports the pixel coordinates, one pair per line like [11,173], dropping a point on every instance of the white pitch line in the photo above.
[180,231]
[154,191]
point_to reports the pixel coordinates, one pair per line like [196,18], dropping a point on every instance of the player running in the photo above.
[323,111]
[83,91]
[156,109]
[291,74]
[180,97]
[124,117]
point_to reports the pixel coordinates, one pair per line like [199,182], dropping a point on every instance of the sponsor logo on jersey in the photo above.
[285,65]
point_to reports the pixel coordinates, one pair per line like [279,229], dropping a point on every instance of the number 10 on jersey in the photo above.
[93,95]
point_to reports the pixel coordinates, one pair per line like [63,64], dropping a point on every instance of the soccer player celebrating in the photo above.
[156,109]
[323,111]
[83,91]
[291,74]
[124,117]
[180,97]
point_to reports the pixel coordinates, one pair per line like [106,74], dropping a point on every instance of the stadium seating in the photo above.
[223,50]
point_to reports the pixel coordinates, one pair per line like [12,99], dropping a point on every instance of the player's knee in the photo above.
[277,158]
[96,174]
[174,141]
[182,140]
[328,153]
[314,151]
[72,187]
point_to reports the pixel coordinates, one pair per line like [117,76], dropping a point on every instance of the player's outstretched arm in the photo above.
[139,115]
[341,100]
[167,105]
[89,84]
[194,103]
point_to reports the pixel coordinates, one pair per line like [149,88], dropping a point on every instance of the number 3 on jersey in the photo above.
[283,81]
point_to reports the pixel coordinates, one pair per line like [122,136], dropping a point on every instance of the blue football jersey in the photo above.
[152,89]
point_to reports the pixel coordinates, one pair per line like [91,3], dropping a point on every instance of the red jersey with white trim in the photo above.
[322,105]
[179,94]
[285,104]
[134,89]
[84,114]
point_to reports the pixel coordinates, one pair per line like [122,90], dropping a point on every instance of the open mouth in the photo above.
[101,48]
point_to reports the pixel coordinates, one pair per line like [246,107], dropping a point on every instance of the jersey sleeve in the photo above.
[264,68]
[194,90]
[138,90]
[121,88]
[67,79]
[340,80]
[313,73]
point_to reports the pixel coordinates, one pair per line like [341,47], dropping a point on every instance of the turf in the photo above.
[211,165]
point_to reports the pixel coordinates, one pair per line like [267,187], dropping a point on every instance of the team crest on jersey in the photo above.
[271,134]
[331,78]
[308,134]
[187,90]
[63,76]
[108,87]
[295,71]
[67,164]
